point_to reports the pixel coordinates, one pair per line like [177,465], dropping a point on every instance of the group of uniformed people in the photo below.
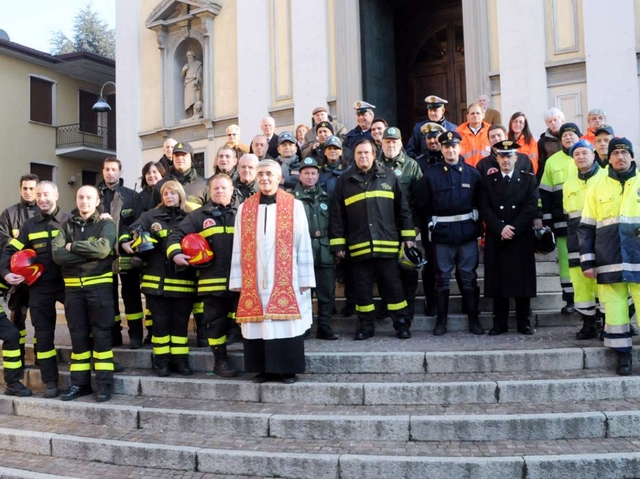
[366,200]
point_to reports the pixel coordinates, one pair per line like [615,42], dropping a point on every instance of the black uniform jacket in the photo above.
[510,269]
[13,218]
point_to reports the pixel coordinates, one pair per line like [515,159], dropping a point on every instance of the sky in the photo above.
[33,22]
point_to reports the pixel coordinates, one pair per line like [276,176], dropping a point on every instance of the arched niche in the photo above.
[178,92]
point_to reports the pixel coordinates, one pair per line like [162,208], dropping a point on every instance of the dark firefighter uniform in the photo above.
[408,172]
[448,204]
[170,294]
[197,191]
[38,234]
[369,219]
[10,222]
[216,224]
[125,206]
[316,207]
[12,361]
[88,284]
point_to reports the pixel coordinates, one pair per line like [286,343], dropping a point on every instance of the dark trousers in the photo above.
[462,257]
[13,366]
[344,272]
[387,273]
[279,356]
[170,325]
[132,300]
[219,316]
[409,286]
[325,292]
[18,305]
[501,309]
[90,318]
[42,307]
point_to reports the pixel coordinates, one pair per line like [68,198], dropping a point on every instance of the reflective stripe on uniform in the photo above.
[365,309]
[172,248]
[218,341]
[396,306]
[89,280]
[103,354]
[369,194]
[81,356]
[103,367]
[46,354]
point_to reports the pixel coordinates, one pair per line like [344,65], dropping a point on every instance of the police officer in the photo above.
[557,169]
[608,240]
[371,219]
[431,152]
[37,233]
[125,207]
[435,113]
[573,193]
[509,206]
[215,221]
[409,174]
[10,222]
[497,135]
[364,115]
[170,292]
[316,206]
[448,201]
[84,249]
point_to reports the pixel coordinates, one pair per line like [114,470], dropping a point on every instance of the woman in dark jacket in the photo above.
[152,172]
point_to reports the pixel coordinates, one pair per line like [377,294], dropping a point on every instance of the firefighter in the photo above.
[573,193]
[608,241]
[170,292]
[12,362]
[84,249]
[37,234]
[10,222]
[214,221]
[371,219]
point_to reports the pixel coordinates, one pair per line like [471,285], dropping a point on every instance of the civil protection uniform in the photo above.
[38,233]
[216,224]
[608,239]
[88,285]
[125,206]
[557,170]
[510,266]
[474,146]
[316,206]
[369,219]
[197,191]
[585,289]
[409,173]
[170,294]
[11,220]
[12,357]
[448,202]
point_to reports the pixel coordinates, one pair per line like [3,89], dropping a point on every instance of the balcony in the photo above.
[85,141]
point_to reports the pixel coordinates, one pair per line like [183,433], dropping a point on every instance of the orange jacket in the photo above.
[474,147]
[530,149]
[590,136]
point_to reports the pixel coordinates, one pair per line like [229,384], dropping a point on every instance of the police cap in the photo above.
[450,138]
[434,102]
[432,130]
[506,147]
[362,106]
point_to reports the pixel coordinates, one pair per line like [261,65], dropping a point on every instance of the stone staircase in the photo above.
[457,406]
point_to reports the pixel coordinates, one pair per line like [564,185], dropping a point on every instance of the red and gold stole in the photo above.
[283,304]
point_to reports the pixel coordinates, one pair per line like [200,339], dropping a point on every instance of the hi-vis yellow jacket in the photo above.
[610,227]
[557,169]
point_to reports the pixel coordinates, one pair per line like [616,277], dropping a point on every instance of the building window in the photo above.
[41,100]
[198,163]
[89,178]
[44,172]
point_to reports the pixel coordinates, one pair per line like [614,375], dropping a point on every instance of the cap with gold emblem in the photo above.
[392,133]
[572,127]
[450,138]
[620,144]
[434,101]
[506,148]
[325,124]
[432,130]
[362,106]
[183,147]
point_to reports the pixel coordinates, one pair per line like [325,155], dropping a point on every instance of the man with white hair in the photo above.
[549,142]
[233,140]
[245,183]
[595,119]
[268,127]
[491,116]
[167,156]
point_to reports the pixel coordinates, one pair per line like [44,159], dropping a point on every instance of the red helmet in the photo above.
[197,248]
[23,263]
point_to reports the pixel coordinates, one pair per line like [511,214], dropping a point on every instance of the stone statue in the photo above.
[192,74]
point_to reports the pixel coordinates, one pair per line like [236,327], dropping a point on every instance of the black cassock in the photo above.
[509,265]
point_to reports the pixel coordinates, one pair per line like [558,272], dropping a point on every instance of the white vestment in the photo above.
[303,275]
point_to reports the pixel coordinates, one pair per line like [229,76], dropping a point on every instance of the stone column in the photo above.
[475,24]
[522,49]
[612,71]
[349,64]
[254,65]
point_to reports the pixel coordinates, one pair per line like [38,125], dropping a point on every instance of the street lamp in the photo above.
[102,105]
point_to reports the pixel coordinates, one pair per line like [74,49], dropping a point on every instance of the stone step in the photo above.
[488,354]
[581,420]
[382,389]
[327,458]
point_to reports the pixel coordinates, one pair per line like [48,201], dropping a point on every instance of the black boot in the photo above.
[201,331]
[442,307]
[430,303]
[180,365]
[161,365]
[402,326]
[147,339]
[500,326]
[625,364]
[326,332]
[472,297]
[570,307]
[589,329]
[116,334]
[223,366]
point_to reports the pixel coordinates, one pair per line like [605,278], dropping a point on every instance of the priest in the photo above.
[272,268]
